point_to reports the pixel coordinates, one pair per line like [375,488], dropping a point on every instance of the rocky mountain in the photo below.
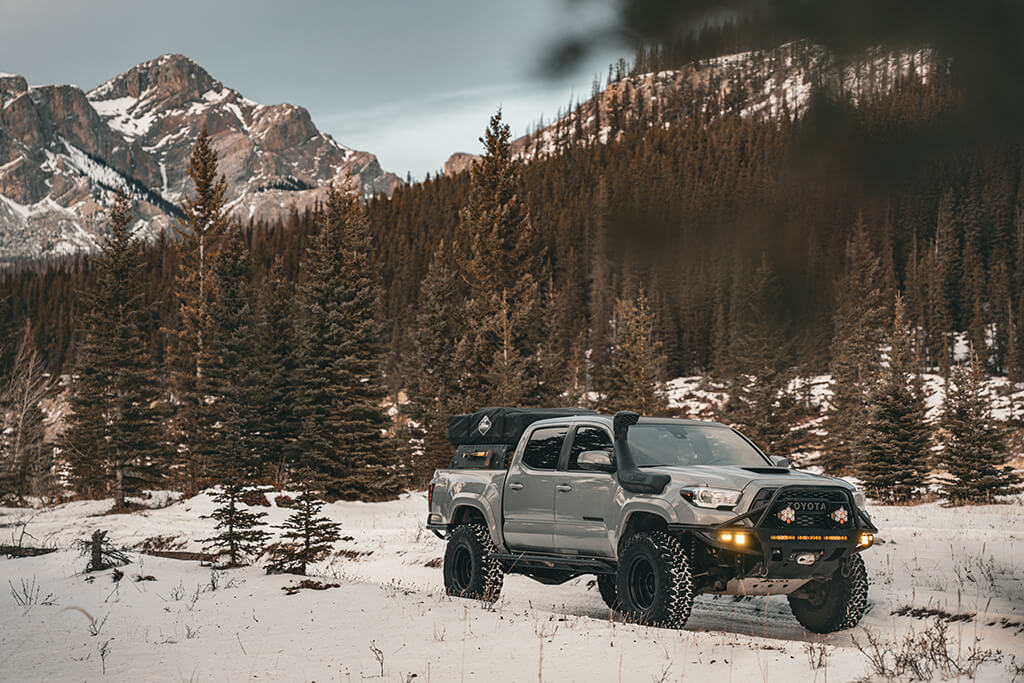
[756,83]
[64,151]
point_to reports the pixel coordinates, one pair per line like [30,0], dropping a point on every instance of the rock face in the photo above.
[459,162]
[758,83]
[64,152]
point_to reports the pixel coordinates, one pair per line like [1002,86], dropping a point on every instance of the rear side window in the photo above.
[543,448]
[588,439]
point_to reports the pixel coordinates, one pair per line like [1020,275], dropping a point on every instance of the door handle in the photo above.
[515,486]
[563,487]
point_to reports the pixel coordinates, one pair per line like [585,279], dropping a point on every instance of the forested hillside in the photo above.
[687,212]
[736,244]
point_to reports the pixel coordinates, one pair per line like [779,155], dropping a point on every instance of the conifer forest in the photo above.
[686,243]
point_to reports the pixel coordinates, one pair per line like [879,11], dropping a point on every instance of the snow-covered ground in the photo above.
[193,623]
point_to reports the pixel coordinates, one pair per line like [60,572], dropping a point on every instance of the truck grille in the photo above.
[818,507]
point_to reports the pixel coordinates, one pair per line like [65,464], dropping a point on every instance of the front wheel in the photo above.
[470,568]
[609,593]
[654,581]
[835,604]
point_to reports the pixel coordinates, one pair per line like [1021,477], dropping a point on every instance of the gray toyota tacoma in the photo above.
[660,510]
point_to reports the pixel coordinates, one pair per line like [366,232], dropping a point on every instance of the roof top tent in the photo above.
[497,426]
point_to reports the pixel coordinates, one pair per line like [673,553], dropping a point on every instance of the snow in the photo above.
[122,113]
[961,348]
[13,100]
[20,209]
[699,396]
[213,96]
[100,173]
[197,624]
[133,127]
[696,396]
[117,106]
[237,111]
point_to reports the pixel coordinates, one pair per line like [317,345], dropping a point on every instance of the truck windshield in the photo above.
[679,445]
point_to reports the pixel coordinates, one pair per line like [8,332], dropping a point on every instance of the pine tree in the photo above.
[308,536]
[761,403]
[1014,352]
[26,458]
[234,390]
[240,531]
[859,321]
[894,452]
[637,378]
[435,379]
[974,448]
[504,268]
[274,370]
[206,223]
[602,296]
[114,433]
[341,384]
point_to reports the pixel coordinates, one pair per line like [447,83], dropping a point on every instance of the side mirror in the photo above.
[595,461]
[779,461]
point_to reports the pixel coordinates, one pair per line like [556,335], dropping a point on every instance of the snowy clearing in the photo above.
[388,618]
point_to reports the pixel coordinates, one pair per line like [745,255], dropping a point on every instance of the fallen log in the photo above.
[24,551]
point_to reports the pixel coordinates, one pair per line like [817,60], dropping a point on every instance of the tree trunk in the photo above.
[119,490]
[97,550]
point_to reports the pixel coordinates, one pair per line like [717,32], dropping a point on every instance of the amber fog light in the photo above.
[733,537]
[866,540]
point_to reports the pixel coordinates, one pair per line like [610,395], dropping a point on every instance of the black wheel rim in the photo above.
[462,568]
[816,592]
[643,583]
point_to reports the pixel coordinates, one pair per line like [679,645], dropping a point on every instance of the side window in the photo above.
[588,439]
[544,447]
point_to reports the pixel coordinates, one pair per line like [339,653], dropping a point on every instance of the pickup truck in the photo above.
[659,509]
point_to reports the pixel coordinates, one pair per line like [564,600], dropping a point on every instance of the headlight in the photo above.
[859,499]
[706,497]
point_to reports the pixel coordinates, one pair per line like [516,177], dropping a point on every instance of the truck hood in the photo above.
[735,477]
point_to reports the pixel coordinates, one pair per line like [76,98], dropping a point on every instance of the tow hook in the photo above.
[806,558]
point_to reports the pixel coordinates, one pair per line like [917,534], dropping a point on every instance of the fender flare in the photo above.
[471,501]
[652,506]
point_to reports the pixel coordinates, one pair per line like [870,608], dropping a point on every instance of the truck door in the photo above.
[583,499]
[528,500]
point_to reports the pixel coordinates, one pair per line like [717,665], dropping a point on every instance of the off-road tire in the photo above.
[470,568]
[609,592]
[840,602]
[654,581]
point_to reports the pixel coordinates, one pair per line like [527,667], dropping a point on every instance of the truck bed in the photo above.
[469,485]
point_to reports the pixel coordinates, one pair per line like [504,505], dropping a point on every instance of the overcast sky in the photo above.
[410,80]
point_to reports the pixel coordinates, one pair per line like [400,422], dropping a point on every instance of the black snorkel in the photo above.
[631,477]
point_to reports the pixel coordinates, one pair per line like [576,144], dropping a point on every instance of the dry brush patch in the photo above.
[923,655]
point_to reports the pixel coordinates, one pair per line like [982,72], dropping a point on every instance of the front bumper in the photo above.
[767,549]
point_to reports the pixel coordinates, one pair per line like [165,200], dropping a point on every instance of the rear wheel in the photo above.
[470,568]
[835,604]
[654,581]
[609,593]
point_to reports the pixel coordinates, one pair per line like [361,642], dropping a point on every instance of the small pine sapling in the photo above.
[240,534]
[307,538]
[101,553]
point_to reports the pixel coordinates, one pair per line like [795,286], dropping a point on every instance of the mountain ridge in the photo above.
[766,82]
[64,152]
